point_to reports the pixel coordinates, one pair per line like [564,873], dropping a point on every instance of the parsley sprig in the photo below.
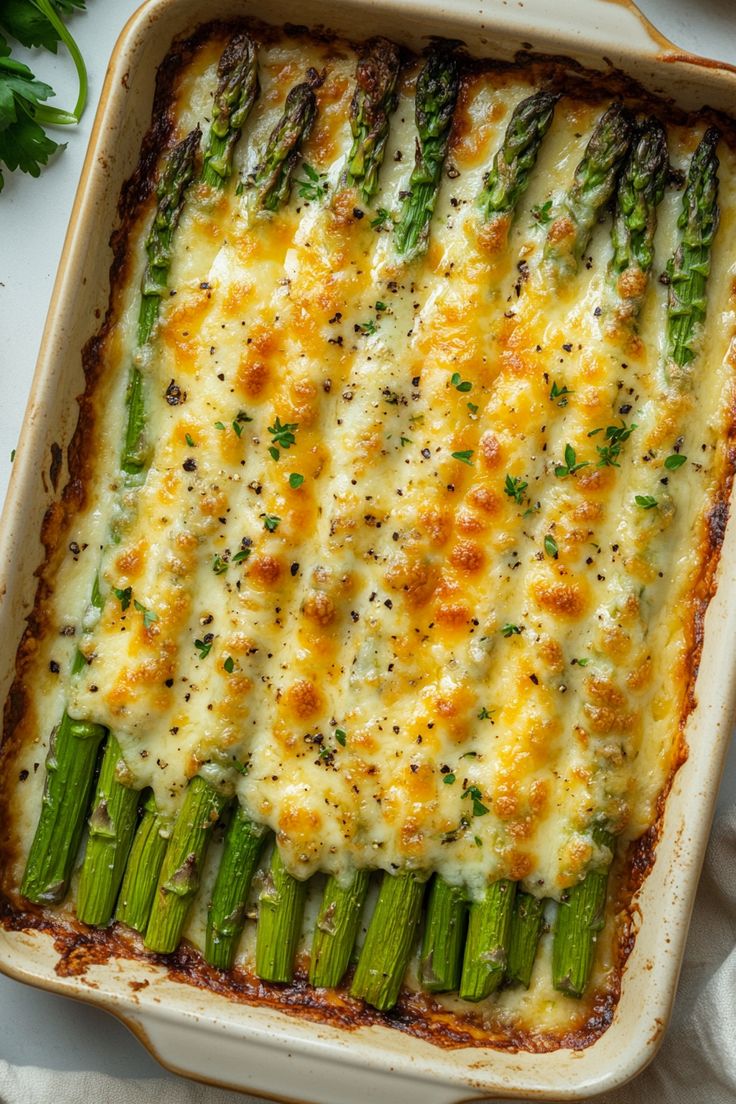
[314,188]
[615,437]
[282,435]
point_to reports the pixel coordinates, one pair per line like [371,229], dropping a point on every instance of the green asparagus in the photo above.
[373,102]
[487,943]
[436,94]
[580,918]
[180,873]
[440,960]
[391,935]
[337,928]
[244,842]
[234,97]
[527,922]
[689,268]
[592,188]
[512,166]
[143,867]
[112,825]
[280,911]
[273,176]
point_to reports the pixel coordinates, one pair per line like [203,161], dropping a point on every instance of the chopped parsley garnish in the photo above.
[514,487]
[314,188]
[282,435]
[219,565]
[571,464]
[240,419]
[219,425]
[341,736]
[483,715]
[464,457]
[479,809]
[582,662]
[550,546]
[242,555]
[675,461]
[647,502]
[404,441]
[511,630]
[448,779]
[381,220]
[149,616]
[204,647]
[460,384]
[229,664]
[189,440]
[123,596]
[541,213]
[559,394]
[473,408]
[295,480]
[366,328]
[380,306]
[270,522]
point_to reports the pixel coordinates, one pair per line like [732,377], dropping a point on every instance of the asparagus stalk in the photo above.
[235,95]
[437,88]
[337,929]
[70,769]
[373,102]
[514,161]
[487,943]
[226,918]
[592,187]
[143,867]
[527,922]
[111,828]
[273,176]
[179,878]
[639,193]
[440,961]
[689,268]
[580,918]
[280,912]
[391,935]
[176,175]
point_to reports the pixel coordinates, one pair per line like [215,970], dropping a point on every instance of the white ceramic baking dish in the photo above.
[250,1047]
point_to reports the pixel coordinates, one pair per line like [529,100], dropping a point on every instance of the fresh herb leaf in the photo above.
[270,522]
[464,457]
[541,213]
[123,596]
[282,435]
[341,736]
[189,441]
[219,425]
[229,664]
[473,792]
[219,564]
[314,188]
[514,487]
[380,306]
[483,715]
[559,394]
[241,556]
[149,616]
[404,441]
[382,219]
[473,408]
[647,502]
[204,647]
[366,328]
[615,437]
[295,480]
[550,546]
[460,384]
[582,662]
[448,779]
[511,630]
[675,461]
[571,464]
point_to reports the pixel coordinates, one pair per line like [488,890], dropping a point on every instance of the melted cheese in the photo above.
[366,635]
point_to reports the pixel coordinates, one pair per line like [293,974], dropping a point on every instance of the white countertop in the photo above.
[40,1028]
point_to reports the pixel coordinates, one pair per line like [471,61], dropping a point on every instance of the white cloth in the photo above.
[696,1064]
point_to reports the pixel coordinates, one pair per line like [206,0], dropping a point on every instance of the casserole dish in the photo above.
[514,1073]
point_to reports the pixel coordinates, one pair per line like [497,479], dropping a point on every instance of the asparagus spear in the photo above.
[440,960]
[185,855]
[235,95]
[580,917]
[512,166]
[592,187]
[640,191]
[111,828]
[273,176]
[226,918]
[176,175]
[437,88]
[527,922]
[373,102]
[486,946]
[143,867]
[280,912]
[337,928]
[389,940]
[689,268]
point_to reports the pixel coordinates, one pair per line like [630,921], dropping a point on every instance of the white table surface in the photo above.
[40,1028]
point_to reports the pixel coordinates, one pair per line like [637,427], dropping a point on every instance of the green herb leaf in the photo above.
[149,616]
[571,464]
[282,435]
[511,630]
[367,328]
[647,502]
[483,715]
[473,408]
[460,384]
[550,546]
[204,646]
[382,219]
[219,565]
[229,664]
[675,461]
[314,188]
[123,596]
[341,736]
[514,487]
[296,480]
[479,809]
[541,213]
[189,441]
[559,394]
[464,457]
[448,779]
[270,522]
